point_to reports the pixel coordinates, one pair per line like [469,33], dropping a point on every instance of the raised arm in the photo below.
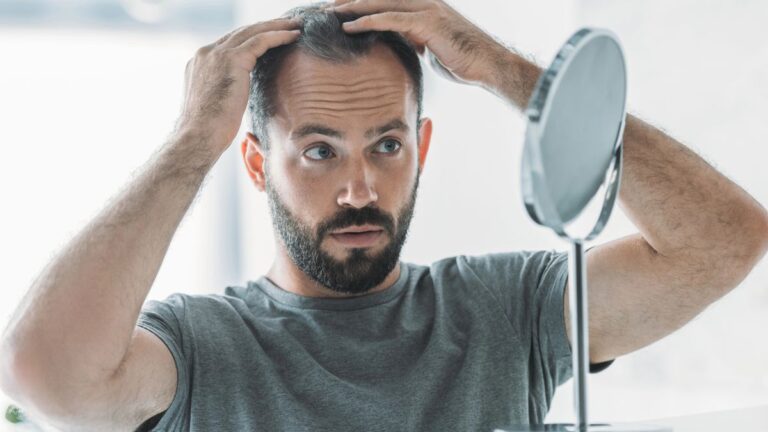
[72,352]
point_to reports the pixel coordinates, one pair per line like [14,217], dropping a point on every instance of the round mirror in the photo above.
[572,145]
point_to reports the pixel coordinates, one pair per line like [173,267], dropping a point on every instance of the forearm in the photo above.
[681,205]
[75,323]
[512,78]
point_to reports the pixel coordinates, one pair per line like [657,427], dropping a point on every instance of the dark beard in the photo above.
[360,271]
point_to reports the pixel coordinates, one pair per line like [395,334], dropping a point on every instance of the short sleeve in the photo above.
[548,318]
[165,320]
[531,286]
[559,265]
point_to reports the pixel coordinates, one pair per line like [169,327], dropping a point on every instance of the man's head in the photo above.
[322,37]
[338,143]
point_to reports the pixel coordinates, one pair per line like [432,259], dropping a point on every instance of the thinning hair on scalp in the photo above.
[322,36]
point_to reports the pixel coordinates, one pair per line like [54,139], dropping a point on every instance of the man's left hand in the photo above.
[466,52]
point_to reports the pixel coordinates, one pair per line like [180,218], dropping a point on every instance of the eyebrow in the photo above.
[315,128]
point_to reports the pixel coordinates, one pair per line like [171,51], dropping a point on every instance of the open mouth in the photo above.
[358,239]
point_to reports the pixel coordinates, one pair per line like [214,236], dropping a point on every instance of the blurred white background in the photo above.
[89,88]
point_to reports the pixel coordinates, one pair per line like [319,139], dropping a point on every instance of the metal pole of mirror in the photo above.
[570,172]
[578,305]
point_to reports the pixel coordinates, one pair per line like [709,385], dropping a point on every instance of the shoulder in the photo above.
[184,302]
[179,309]
[517,280]
[491,267]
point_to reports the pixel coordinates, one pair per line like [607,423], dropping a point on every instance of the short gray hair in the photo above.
[322,37]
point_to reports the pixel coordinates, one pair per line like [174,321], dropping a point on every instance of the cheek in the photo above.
[303,192]
[310,184]
[405,173]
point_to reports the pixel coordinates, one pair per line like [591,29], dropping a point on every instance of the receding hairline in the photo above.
[292,57]
[337,47]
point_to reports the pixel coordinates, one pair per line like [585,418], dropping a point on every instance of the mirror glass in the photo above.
[575,123]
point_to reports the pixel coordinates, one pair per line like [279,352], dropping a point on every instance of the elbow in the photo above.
[6,385]
[725,264]
[747,250]
[17,380]
[763,231]
[757,236]
[8,362]
[51,397]
[32,388]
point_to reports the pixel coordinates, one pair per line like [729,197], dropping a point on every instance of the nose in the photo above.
[359,190]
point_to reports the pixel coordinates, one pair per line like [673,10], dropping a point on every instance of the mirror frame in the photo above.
[536,197]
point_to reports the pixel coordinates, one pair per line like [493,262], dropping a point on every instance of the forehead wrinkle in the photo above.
[322,78]
[350,99]
[379,70]
[339,101]
[341,111]
[387,87]
[351,102]
[341,88]
[346,99]
[326,111]
[377,80]
[319,93]
[347,92]
[338,79]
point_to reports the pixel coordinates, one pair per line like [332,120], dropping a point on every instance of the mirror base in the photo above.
[599,427]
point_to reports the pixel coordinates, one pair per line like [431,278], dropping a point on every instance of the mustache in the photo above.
[351,216]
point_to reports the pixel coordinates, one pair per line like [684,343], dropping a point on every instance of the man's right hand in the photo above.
[217,78]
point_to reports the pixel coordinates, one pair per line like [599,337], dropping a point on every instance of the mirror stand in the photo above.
[572,161]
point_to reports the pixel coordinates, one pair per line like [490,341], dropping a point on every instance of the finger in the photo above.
[225,37]
[247,32]
[409,24]
[257,45]
[341,2]
[377,6]
[237,37]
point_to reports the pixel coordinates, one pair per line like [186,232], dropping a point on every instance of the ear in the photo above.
[425,133]
[253,156]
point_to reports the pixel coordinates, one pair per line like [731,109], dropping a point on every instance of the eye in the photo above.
[322,152]
[389,145]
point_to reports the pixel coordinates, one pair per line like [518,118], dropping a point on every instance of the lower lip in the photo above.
[358,240]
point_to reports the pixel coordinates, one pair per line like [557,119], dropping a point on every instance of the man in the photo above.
[339,334]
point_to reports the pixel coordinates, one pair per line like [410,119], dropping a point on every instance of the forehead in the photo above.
[358,93]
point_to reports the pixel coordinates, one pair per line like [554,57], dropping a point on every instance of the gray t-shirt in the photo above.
[469,343]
